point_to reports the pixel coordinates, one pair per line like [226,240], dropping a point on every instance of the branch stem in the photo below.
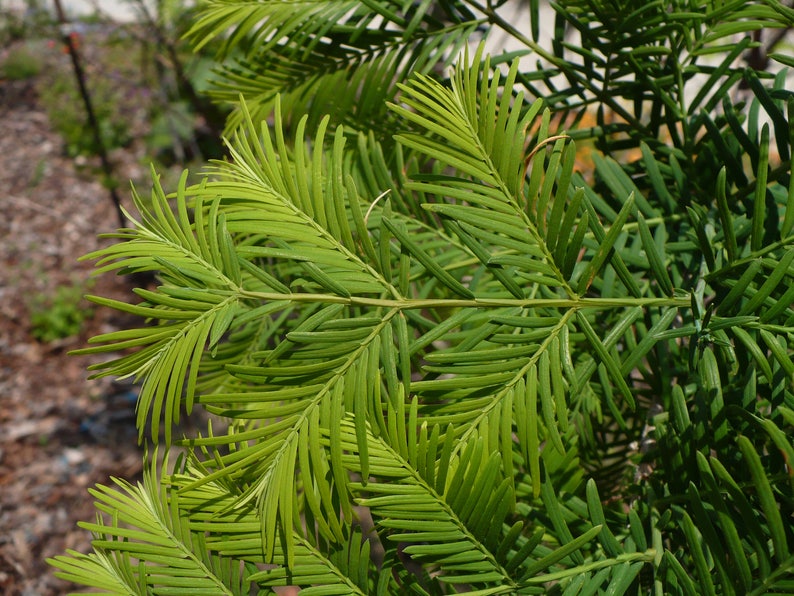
[430,303]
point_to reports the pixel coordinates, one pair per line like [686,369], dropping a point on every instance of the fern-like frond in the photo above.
[489,163]
[444,359]
[335,57]
[351,85]
[342,566]
[146,545]
[449,510]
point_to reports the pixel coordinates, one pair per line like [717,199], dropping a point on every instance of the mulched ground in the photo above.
[59,433]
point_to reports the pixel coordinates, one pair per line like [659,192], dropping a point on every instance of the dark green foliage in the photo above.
[446,357]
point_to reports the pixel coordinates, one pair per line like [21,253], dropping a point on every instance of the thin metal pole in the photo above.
[79,74]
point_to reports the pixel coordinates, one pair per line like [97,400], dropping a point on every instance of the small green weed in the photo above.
[38,173]
[59,316]
[20,64]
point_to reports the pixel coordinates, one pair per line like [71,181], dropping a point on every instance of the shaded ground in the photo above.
[59,434]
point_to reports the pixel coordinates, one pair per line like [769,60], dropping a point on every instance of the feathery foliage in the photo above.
[443,352]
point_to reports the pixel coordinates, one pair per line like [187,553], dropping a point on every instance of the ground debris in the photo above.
[59,433]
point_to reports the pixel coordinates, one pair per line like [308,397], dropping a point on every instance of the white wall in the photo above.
[119,10]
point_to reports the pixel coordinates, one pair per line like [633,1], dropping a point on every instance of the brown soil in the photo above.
[59,433]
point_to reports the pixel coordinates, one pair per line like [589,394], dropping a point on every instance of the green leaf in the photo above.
[558,554]
[759,201]
[607,539]
[725,217]
[696,549]
[766,497]
[605,247]
[655,258]
[603,355]
[427,261]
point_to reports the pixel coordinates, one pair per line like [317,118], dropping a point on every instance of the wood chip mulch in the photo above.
[59,433]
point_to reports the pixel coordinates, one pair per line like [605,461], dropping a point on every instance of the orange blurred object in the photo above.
[74,38]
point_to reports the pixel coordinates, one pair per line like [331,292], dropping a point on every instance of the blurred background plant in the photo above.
[21,63]
[59,314]
[26,21]
[114,106]
[144,82]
